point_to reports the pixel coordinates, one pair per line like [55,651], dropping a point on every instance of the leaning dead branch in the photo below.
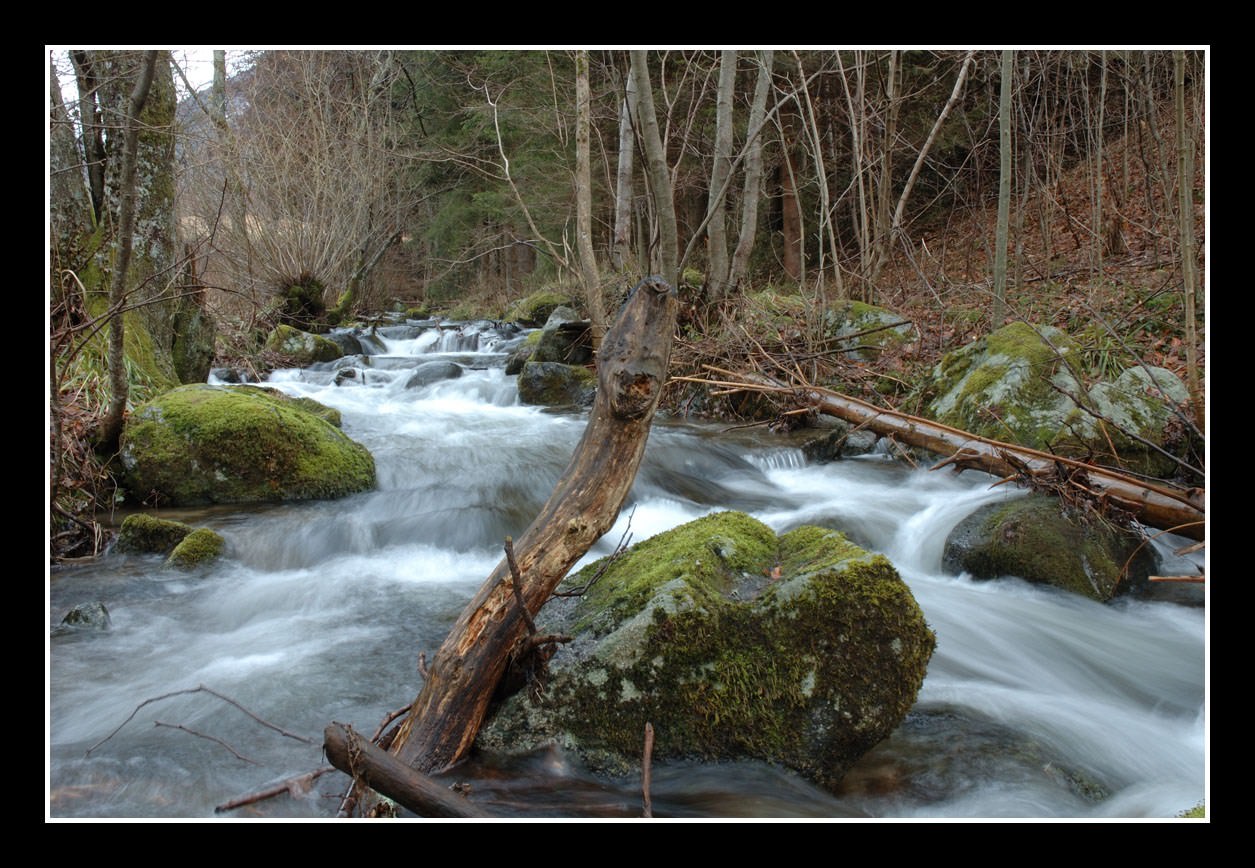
[295,786]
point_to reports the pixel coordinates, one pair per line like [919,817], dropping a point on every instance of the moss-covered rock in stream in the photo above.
[876,327]
[803,650]
[236,444]
[522,354]
[551,384]
[534,310]
[145,533]
[302,348]
[1032,539]
[566,339]
[198,549]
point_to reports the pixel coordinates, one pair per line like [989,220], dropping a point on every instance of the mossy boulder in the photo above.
[199,548]
[236,444]
[565,338]
[145,533]
[1032,539]
[1144,402]
[302,348]
[876,327]
[1008,385]
[535,309]
[301,303]
[734,643]
[551,384]
[1019,384]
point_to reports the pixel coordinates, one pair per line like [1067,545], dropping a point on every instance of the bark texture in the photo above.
[632,368]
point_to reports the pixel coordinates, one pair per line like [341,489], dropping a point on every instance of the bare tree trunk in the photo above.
[1099,233]
[884,188]
[1185,217]
[721,168]
[753,175]
[620,250]
[218,93]
[1004,190]
[659,174]
[111,425]
[584,201]
[632,368]
[821,175]
[89,99]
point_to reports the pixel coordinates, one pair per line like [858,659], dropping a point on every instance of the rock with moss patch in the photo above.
[876,328]
[200,548]
[802,650]
[551,384]
[565,338]
[534,310]
[522,354]
[1019,384]
[237,444]
[1032,539]
[148,534]
[302,348]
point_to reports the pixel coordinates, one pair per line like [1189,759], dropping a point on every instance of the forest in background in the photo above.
[958,189]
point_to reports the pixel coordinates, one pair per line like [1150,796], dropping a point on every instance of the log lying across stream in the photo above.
[1158,506]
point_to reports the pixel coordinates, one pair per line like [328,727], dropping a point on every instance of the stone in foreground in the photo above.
[802,650]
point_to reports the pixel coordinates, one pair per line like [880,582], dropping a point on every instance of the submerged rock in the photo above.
[802,650]
[237,444]
[555,385]
[433,372]
[148,534]
[199,548]
[302,348]
[1031,538]
[87,616]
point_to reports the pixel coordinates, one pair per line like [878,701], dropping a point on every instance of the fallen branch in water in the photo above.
[295,786]
[200,689]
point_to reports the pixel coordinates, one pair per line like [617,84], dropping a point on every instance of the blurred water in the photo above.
[1037,704]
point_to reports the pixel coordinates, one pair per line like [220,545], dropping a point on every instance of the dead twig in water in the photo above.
[207,737]
[294,786]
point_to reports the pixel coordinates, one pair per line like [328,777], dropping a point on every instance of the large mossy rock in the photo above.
[534,310]
[302,348]
[551,384]
[236,444]
[690,631]
[1019,384]
[1032,539]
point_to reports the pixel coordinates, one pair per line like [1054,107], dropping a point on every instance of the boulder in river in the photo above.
[237,444]
[1031,538]
[148,534]
[433,372]
[199,548]
[535,309]
[802,649]
[565,338]
[302,348]
[555,385]
[86,616]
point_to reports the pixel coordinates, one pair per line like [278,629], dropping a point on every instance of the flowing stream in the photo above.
[1037,703]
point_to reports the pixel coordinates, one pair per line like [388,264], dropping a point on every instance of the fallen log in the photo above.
[363,761]
[1158,506]
[631,371]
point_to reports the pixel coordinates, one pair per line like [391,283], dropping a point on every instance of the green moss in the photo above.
[533,338]
[535,308]
[809,669]
[203,444]
[147,533]
[199,548]
[1198,812]
[552,384]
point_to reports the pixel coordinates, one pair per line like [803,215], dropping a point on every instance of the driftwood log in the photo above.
[631,371]
[357,757]
[1158,506]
